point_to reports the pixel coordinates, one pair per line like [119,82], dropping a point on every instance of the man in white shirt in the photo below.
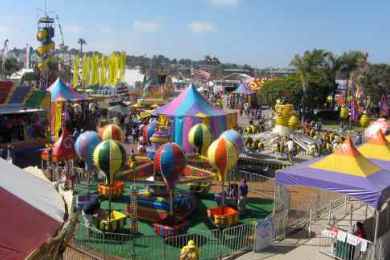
[290,149]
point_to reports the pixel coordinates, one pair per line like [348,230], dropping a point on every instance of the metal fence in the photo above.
[213,244]
[343,249]
[305,205]
[258,184]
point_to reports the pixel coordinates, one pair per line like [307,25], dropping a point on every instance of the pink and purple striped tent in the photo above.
[191,108]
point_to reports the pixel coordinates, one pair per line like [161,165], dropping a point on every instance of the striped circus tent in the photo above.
[31,212]
[191,108]
[345,171]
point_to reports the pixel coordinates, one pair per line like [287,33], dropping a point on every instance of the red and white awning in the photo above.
[31,211]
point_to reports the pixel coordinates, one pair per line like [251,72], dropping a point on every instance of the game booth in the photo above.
[23,120]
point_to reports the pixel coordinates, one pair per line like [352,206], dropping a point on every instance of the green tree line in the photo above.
[314,85]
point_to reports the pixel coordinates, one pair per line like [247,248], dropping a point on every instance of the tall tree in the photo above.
[333,65]
[81,42]
[351,61]
[309,67]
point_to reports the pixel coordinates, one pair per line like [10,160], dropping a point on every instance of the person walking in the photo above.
[290,149]
[243,193]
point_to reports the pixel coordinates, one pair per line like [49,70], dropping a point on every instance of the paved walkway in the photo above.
[300,248]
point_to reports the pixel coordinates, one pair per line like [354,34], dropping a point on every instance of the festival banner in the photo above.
[56,119]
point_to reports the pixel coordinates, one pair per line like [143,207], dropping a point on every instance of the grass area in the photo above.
[147,245]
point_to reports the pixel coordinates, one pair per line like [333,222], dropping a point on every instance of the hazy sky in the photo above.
[257,32]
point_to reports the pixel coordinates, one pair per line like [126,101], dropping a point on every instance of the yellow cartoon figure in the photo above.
[189,251]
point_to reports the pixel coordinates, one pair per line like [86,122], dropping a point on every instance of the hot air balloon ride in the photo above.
[149,130]
[170,162]
[235,138]
[112,131]
[223,156]
[200,137]
[109,156]
[147,133]
[84,147]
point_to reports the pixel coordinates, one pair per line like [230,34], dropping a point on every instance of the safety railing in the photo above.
[344,246]
[212,244]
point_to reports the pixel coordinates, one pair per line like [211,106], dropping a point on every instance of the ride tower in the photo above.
[45,35]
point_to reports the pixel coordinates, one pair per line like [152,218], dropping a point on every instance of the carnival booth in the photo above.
[32,212]
[23,117]
[244,94]
[346,171]
[191,108]
[60,94]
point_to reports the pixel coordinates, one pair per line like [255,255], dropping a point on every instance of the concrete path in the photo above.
[300,248]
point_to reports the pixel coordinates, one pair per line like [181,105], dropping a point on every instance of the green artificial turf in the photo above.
[147,245]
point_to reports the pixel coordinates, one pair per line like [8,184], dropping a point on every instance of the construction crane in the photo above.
[62,43]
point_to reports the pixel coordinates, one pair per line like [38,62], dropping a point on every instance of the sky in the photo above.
[261,33]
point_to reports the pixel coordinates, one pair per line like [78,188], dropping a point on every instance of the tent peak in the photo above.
[347,160]
[347,148]
[378,139]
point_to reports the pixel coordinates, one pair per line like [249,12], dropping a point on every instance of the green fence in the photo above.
[213,244]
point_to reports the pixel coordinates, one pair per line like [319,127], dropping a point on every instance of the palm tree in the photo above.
[333,64]
[307,67]
[82,42]
[350,62]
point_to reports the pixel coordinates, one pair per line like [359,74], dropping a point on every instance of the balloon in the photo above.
[223,156]
[149,130]
[344,112]
[235,138]
[293,122]
[200,137]
[63,149]
[364,120]
[109,156]
[170,162]
[42,35]
[113,132]
[380,124]
[86,144]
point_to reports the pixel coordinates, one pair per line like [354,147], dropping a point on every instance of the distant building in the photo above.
[275,72]
[230,82]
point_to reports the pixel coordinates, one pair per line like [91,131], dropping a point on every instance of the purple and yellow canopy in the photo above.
[61,92]
[377,149]
[345,171]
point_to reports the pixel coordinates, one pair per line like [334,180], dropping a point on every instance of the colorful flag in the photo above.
[384,106]
[56,119]
[354,110]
